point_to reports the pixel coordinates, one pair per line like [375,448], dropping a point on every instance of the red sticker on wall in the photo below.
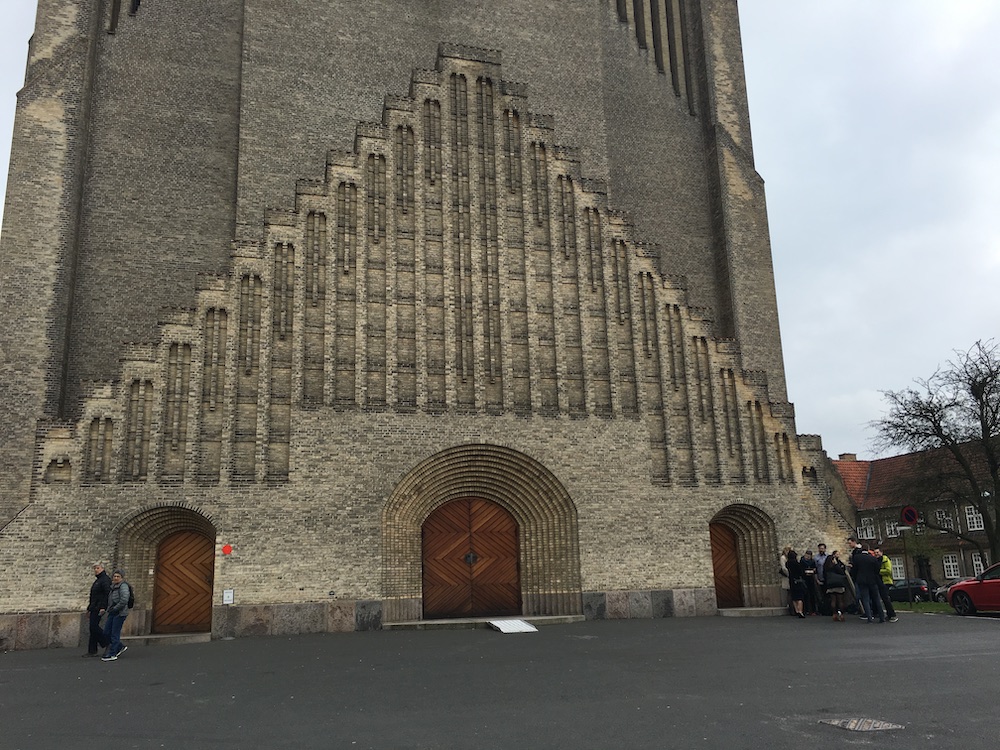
[227,549]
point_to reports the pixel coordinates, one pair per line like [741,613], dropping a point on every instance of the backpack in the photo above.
[131,596]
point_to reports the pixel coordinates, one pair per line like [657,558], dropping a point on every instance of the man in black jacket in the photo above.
[99,591]
[867,579]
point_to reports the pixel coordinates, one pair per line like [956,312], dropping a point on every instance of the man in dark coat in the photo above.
[867,578]
[99,591]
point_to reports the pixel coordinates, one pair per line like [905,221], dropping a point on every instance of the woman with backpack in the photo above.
[117,612]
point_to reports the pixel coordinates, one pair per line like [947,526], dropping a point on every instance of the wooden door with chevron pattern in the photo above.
[470,554]
[185,567]
[725,563]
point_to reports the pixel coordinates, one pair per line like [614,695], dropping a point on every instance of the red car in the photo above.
[979,593]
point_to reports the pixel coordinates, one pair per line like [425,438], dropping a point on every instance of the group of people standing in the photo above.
[826,585]
[109,597]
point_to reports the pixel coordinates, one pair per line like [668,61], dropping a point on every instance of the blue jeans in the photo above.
[113,633]
[870,600]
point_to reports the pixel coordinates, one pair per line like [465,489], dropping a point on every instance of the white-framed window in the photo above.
[920,528]
[867,528]
[897,567]
[978,566]
[950,564]
[974,519]
[942,518]
[892,529]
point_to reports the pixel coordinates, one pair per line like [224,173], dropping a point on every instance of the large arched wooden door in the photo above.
[725,564]
[182,600]
[470,561]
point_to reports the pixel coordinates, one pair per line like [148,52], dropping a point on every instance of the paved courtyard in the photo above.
[674,683]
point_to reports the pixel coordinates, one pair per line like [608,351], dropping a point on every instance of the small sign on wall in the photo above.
[227,596]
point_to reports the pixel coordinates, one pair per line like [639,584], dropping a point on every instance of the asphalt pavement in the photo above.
[709,682]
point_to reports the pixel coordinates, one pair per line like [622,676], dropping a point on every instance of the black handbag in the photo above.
[835,578]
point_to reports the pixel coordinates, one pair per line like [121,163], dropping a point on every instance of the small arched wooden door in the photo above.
[725,564]
[470,561]
[182,599]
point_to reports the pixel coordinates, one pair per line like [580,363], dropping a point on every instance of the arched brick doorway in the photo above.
[744,557]
[548,552]
[140,539]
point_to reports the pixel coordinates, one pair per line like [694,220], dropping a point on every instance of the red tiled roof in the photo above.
[855,477]
[878,483]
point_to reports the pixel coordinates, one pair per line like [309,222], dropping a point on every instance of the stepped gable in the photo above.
[456,261]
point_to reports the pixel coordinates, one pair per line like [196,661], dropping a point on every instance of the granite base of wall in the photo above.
[43,630]
[23,632]
[291,619]
[639,605]
[69,629]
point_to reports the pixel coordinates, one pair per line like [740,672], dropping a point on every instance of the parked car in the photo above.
[976,594]
[941,592]
[922,588]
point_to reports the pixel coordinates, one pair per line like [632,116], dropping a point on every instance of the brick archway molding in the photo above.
[545,513]
[757,553]
[136,541]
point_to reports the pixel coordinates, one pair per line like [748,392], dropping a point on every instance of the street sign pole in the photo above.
[906,574]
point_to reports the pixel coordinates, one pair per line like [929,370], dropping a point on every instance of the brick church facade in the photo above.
[330,316]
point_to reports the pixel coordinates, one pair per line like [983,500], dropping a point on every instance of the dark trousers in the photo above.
[822,601]
[883,592]
[97,637]
[809,604]
[113,632]
[869,600]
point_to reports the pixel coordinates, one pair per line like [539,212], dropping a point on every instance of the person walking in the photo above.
[885,580]
[117,612]
[99,591]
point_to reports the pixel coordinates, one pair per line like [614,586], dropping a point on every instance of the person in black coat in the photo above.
[99,591]
[810,604]
[867,578]
[796,582]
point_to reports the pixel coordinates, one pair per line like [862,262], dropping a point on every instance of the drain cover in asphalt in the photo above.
[862,725]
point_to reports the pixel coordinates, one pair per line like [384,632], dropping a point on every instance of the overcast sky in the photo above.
[876,128]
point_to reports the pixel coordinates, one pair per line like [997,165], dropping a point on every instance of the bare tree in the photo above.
[953,416]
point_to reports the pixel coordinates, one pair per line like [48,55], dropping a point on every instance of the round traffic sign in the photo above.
[909,516]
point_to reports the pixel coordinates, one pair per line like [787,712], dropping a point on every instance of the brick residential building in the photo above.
[881,488]
[325,316]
